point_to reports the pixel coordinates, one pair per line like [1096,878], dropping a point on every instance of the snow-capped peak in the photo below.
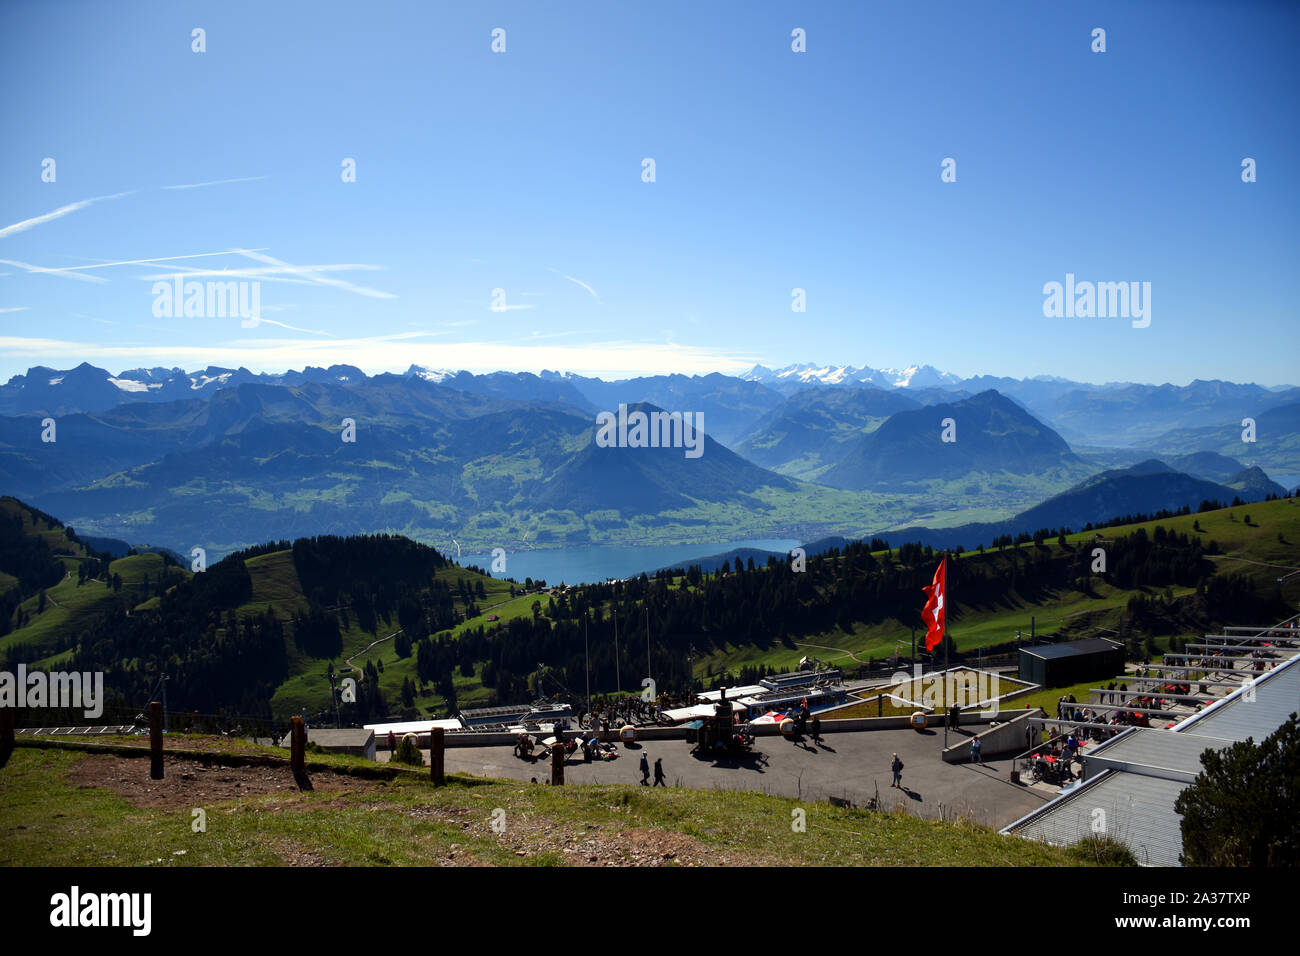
[435,375]
[917,376]
[131,385]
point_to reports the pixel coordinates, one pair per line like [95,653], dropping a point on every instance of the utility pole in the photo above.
[338,720]
[618,678]
[648,672]
[586,656]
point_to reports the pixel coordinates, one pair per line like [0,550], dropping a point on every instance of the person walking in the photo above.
[817,729]
[659,773]
[645,769]
[975,750]
[897,768]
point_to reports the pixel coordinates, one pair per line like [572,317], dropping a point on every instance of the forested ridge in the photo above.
[224,653]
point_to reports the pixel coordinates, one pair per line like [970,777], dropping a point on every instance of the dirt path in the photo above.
[837,650]
[348,661]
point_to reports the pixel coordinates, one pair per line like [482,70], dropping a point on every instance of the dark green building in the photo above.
[1060,665]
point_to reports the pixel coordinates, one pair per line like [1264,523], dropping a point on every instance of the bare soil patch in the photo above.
[188,783]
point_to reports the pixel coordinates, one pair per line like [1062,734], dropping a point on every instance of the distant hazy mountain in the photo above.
[1208,465]
[516,386]
[730,405]
[269,461]
[993,434]
[1276,446]
[1145,488]
[229,457]
[814,428]
[1254,485]
[90,389]
[1113,414]
[1139,414]
[632,481]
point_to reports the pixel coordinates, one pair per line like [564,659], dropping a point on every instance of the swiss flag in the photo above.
[932,615]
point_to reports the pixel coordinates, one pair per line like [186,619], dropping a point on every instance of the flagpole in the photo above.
[946,652]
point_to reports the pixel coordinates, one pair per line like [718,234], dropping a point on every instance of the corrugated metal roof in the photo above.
[1276,696]
[1159,753]
[1092,645]
[1135,809]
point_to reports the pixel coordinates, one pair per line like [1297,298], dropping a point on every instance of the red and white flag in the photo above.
[932,615]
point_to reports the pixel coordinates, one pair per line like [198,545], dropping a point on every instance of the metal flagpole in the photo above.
[586,656]
[946,651]
[618,679]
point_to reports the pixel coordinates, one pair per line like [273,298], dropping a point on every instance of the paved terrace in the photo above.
[847,764]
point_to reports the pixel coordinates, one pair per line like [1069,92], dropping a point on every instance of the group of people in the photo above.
[628,710]
[660,781]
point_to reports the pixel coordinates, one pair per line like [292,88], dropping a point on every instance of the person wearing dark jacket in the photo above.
[897,768]
[659,773]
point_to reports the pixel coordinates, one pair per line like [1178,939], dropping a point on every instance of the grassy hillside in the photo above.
[1264,550]
[100,810]
[71,604]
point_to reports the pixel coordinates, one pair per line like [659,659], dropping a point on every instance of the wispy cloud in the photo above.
[28,267]
[217,182]
[14,308]
[314,276]
[59,213]
[293,328]
[503,307]
[108,265]
[260,272]
[579,282]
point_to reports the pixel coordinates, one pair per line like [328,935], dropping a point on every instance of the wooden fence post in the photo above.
[557,762]
[298,746]
[155,740]
[6,734]
[437,752]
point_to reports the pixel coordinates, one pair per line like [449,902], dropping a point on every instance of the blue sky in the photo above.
[775,170]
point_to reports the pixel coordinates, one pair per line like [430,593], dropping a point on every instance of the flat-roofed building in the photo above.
[1131,782]
[1060,665]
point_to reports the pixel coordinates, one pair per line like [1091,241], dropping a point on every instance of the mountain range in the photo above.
[228,457]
